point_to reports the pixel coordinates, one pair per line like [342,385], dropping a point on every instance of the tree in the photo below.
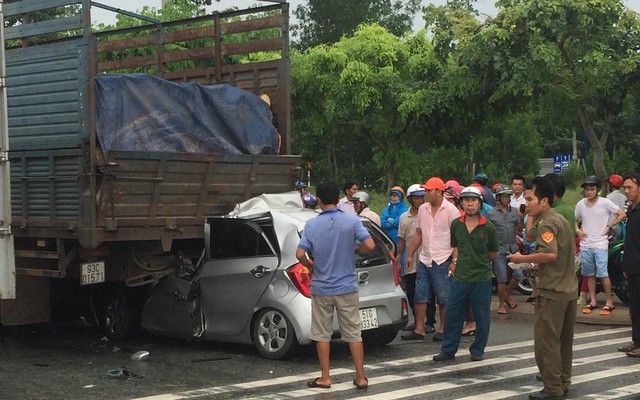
[574,58]
[355,102]
[326,21]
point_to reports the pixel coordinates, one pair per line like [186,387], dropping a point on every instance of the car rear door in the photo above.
[375,270]
[241,263]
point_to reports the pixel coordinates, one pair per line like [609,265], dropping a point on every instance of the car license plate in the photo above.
[369,318]
[92,273]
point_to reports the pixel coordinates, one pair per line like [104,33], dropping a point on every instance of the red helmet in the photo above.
[616,180]
[451,183]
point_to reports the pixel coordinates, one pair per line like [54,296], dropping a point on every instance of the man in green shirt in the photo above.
[475,243]
[556,302]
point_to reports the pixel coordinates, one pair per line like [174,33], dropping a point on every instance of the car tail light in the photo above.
[396,269]
[301,279]
[405,309]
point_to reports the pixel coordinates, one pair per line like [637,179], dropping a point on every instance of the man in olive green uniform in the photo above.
[557,286]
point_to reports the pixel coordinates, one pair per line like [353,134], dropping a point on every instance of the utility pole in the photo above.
[7,259]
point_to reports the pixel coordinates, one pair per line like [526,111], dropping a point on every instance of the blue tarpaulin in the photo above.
[144,113]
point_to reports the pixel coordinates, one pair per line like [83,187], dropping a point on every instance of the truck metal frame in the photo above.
[71,203]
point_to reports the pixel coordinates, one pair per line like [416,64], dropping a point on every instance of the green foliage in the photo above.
[326,21]
[574,175]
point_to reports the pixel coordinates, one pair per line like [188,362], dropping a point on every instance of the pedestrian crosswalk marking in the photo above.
[417,390]
[392,378]
[615,393]
[503,394]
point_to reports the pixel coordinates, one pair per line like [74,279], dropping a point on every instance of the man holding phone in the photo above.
[507,222]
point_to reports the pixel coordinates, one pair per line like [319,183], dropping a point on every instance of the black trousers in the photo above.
[633,280]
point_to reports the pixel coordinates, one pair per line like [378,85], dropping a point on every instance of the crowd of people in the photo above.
[454,240]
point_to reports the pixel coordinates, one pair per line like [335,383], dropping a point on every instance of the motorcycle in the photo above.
[615,257]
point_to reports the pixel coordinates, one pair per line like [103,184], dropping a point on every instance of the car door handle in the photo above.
[260,271]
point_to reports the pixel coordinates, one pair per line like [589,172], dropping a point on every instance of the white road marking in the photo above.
[387,378]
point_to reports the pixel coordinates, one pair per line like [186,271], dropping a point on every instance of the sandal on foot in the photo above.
[502,311]
[361,387]
[468,332]
[606,310]
[314,384]
[511,304]
[589,308]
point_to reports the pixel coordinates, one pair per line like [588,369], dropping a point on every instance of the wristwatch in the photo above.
[454,261]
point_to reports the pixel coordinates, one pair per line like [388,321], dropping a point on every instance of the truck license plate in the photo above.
[369,318]
[92,273]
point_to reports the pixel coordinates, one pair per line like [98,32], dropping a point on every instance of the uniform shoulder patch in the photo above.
[547,237]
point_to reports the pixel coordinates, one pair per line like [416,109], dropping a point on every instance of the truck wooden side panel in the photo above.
[62,187]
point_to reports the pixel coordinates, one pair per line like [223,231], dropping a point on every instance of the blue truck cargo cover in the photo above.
[141,112]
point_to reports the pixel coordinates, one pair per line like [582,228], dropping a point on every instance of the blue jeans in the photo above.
[432,282]
[478,296]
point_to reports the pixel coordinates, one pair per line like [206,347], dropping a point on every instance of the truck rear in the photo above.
[93,228]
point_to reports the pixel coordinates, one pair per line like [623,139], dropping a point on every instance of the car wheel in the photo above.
[380,339]
[120,314]
[525,286]
[273,334]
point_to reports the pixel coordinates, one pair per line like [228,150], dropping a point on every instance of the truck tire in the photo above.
[119,313]
[273,334]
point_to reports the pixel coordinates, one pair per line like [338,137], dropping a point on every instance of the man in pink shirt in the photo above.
[433,238]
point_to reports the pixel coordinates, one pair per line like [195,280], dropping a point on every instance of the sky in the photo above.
[108,17]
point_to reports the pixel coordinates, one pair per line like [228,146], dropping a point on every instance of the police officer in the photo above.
[556,303]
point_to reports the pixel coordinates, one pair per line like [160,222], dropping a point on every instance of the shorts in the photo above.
[346,306]
[500,269]
[433,281]
[594,262]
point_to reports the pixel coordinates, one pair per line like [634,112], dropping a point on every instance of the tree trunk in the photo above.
[597,144]
[391,177]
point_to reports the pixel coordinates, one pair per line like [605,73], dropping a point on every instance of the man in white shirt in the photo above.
[593,214]
[517,185]
[618,198]
[345,203]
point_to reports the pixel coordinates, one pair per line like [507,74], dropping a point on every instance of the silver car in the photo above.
[249,287]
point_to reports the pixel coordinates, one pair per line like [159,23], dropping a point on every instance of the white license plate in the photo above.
[369,318]
[92,273]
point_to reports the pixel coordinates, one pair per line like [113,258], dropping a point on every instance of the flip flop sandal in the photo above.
[511,305]
[314,384]
[588,309]
[361,387]
[470,332]
[502,312]
[606,310]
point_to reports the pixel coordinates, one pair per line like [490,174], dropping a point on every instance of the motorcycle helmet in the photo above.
[300,185]
[415,190]
[592,180]
[309,200]
[362,197]
[451,183]
[504,190]
[616,180]
[481,178]
[471,192]
[397,190]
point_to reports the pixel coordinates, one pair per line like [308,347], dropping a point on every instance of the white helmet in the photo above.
[471,191]
[415,190]
[361,197]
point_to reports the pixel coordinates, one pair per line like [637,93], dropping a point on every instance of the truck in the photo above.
[92,230]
